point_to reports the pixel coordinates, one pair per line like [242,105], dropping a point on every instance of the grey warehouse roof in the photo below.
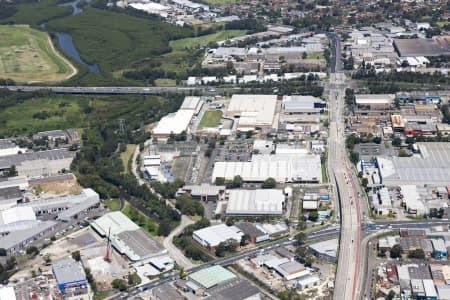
[68,270]
[17,159]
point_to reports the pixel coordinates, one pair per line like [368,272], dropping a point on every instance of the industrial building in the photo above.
[178,122]
[411,200]
[16,219]
[422,47]
[212,236]
[255,202]
[17,240]
[38,164]
[374,101]
[302,105]
[430,166]
[127,237]
[65,206]
[204,191]
[291,270]
[255,235]
[70,277]
[20,181]
[325,250]
[238,289]
[282,167]
[10,196]
[211,277]
[253,111]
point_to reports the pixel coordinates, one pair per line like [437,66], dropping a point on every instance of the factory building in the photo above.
[267,202]
[212,236]
[374,101]
[71,279]
[282,167]
[127,237]
[9,148]
[299,105]
[38,164]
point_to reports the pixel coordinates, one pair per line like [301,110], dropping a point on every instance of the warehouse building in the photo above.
[374,101]
[291,270]
[38,164]
[212,236]
[325,250]
[253,111]
[204,191]
[10,196]
[431,166]
[260,202]
[299,105]
[255,235]
[127,237]
[16,219]
[282,167]
[422,47]
[238,289]
[17,240]
[20,181]
[70,276]
[211,277]
[411,199]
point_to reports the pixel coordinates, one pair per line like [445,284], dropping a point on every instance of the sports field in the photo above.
[28,55]
[211,118]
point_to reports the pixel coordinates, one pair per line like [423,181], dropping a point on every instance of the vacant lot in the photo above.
[211,118]
[27,55]
[204,40]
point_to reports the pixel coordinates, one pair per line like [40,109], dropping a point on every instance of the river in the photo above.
[65,41]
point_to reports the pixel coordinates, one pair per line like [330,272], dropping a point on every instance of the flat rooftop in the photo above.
[422,47]
[254,110]
[431,166]
[255,202]
[212,276]
[68,270]
[234,290]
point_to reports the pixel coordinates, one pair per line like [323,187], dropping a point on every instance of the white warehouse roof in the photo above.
[281,167]
[364,99]
[255,202]
[213,235]
[255,110]
[174,123]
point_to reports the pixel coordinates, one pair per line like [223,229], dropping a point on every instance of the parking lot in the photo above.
[234,151]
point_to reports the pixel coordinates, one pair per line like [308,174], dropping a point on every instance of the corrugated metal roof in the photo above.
[212,276]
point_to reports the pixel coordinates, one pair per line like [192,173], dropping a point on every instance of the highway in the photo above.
[110,90]
[346,188]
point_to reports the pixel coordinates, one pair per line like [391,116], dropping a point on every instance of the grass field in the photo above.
[113,204]
[211,118]
[117,40]
[204,40]
[165,82]
[27,54]
[140,219]
[318,55]
[219,2]
[125,156]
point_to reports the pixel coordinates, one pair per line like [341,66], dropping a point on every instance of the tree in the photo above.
[417,254]
[354,157]
[396,141]
[32,250]
[244,240]
[219,181]
[237,181]
[269,183]
[76,255]
[391,295]
[300,238]
[364,182]
[119,284]
[396,251]
[313,216]
[164,228]
[3,252]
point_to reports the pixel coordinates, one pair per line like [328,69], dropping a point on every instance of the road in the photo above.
[174,252]
[345,186]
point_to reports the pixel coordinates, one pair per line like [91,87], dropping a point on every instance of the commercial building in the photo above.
[255,202]
[37,164]
[282,167]
[291,270]
[212,236]
[307,282]
[440,251]
[211,277]
[127,237]
[412,200]
[70,277]
[430,166]
[326,250]
[253,111]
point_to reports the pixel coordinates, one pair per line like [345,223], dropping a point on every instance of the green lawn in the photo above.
[219,2]
[318,55]
[140,219]
[165,82]
[204,40]
[211,118]
[113,204]
[27,54]
[442,23]
[125,156]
